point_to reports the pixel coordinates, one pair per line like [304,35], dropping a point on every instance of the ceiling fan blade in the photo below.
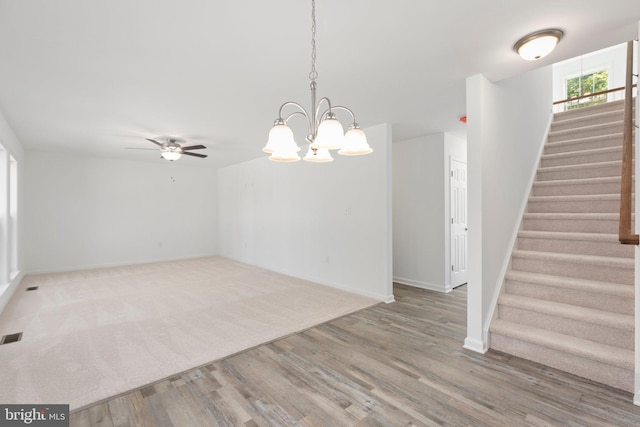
[154,141]
[186,153]
[194,147]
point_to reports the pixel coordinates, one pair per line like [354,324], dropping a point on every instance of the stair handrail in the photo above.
[591,95]
[626,182]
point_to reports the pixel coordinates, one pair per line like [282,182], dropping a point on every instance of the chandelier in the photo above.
[325,132]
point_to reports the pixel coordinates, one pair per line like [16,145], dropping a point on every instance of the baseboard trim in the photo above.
[388,299]
[117,264]
[475,345]
[421,285]
[10,289]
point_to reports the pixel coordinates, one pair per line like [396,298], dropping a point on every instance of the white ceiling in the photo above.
[94,77]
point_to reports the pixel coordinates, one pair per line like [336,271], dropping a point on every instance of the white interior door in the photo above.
[458,232]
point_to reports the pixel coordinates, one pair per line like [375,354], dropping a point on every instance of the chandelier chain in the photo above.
[313,75]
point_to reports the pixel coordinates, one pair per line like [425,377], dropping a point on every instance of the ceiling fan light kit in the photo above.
[325,132]
[173,149]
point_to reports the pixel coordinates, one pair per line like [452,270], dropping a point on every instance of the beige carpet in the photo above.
[88,335]
[568,299]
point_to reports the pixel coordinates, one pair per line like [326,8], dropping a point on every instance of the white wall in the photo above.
[84,212]
[418,209]
[9,280]
[507,126]
[329,223]
[421,243]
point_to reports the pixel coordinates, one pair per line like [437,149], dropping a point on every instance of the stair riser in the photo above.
[585,132]
[603,334]
[579,122]
[603,273]
[593,172]
[580,158]
[572,225]
[554,189]
[589,144]
[605,302]
[569,206]
[580,247]
[612,375]
[596,109]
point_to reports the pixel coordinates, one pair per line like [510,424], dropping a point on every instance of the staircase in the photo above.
[568,297]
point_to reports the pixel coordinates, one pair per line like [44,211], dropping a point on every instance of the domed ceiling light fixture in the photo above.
[539,44]
[325,132]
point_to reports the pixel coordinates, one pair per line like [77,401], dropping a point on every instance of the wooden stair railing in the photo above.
[626,184]
[591,95]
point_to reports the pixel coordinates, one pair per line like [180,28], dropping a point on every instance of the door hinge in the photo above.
[452,268]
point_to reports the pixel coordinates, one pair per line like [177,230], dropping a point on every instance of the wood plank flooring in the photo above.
[399,364]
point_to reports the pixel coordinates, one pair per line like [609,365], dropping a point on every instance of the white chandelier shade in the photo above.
[281,139]
[318,155]
[284,156]
[355,143]
[330,134]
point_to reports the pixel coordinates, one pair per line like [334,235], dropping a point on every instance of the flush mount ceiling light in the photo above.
[325,132]
[539,44]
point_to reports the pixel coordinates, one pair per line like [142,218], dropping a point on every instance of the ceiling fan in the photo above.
[173,148]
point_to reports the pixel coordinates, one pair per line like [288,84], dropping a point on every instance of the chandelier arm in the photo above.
[348,110]
[319,117]
[301,112]
[295,104]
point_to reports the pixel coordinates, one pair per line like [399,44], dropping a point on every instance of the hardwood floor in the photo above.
[399,364]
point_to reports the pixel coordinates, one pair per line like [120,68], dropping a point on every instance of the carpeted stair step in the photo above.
[583,170]
[582,186]
[594,109]
[585,143]
[595,118]
[594,203]
[595,155]
[599,244]
[568,297]
[572,222]
[586,131]
[613,297]
[589,267]
[599,362]
[614,329]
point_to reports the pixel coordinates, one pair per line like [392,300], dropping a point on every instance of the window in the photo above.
[13,216]
[8,218]
[587,84]
[4,217]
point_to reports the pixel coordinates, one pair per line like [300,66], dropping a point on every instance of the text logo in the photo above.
[34,415]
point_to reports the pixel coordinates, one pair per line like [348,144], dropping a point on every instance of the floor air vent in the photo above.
[8,339]
[32,288]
